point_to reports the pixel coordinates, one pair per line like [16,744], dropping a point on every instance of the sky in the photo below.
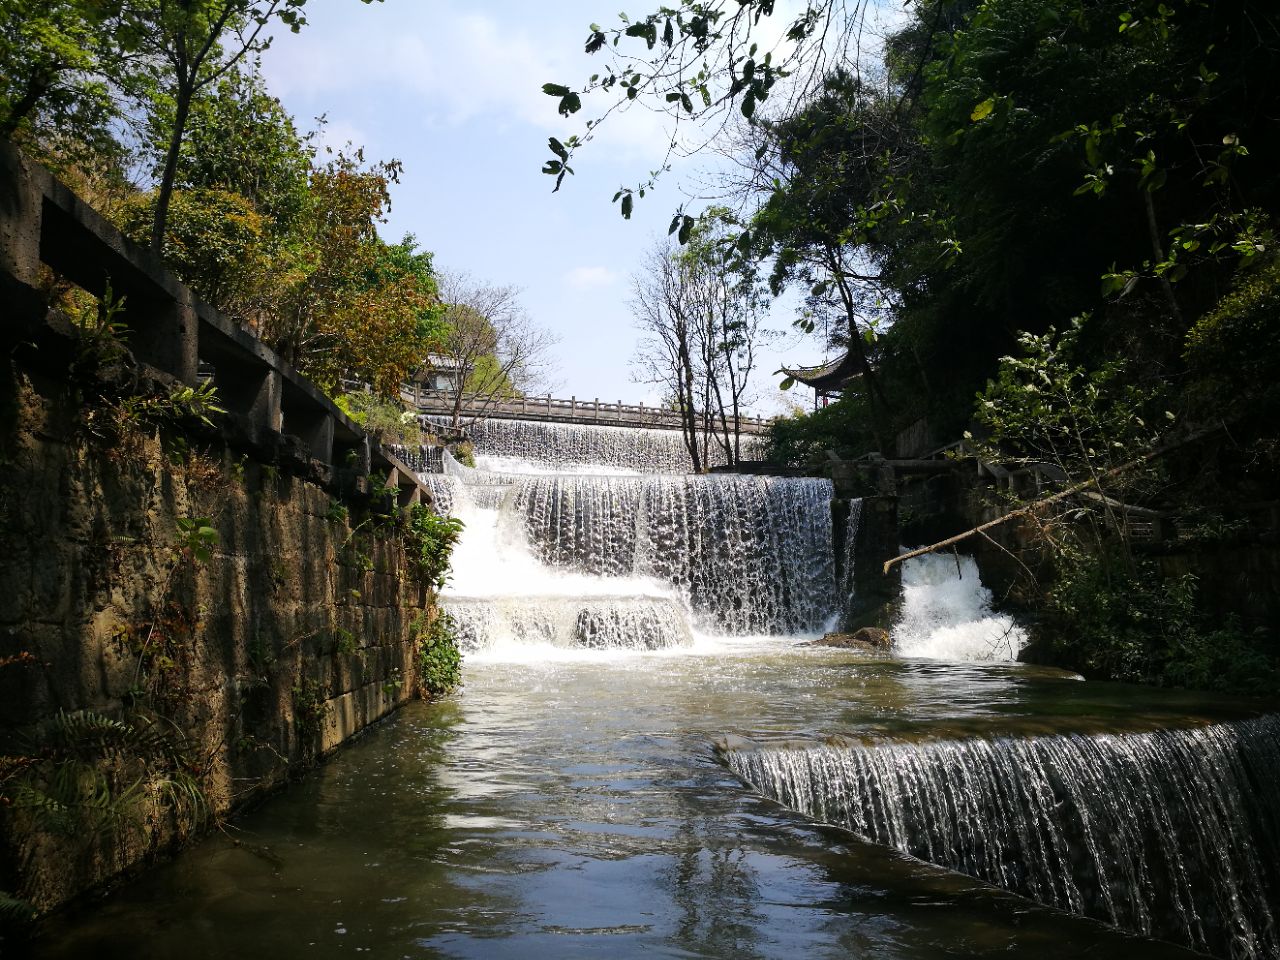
[453,90]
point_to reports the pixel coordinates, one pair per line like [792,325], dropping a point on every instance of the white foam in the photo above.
[947,614]
[533,468]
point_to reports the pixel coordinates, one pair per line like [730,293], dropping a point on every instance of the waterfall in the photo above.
[529,446]
[1173,834]
[602,560]
[749,555]
[641,623]
[848,584]
[421,458]
[947,615]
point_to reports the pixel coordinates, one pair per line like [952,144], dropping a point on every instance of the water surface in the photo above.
[571,804]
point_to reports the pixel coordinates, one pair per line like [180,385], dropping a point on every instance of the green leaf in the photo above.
[787,384]
[983,110]
[555,90]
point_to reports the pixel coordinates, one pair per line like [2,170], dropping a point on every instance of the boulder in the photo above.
[866,640]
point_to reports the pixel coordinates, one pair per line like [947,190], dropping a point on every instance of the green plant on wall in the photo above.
[197,538]
[345,643]
[86,774]
[430,539]
[464,452]
[439,663]
[101,337]
[308,707]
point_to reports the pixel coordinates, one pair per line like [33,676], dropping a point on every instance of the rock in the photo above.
[866,639]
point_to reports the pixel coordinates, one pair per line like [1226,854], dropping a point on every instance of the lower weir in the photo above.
[1170,834]
[639,623]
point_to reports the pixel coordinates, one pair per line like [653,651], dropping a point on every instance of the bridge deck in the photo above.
[555,410]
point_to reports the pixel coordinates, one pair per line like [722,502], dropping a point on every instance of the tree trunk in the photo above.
[879,405]
[689,416]
[37,86]
[1153,231]
[165,194]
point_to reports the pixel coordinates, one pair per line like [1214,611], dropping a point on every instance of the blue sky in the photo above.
[453,90]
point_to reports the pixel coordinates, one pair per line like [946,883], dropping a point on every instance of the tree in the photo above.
[215,242]
[695,62]
[491,345]
[702,322]
[344,304]
[241,139]
[823,173]
[730,305]
[51,54]
[660,294]
[64,68]
[195,43]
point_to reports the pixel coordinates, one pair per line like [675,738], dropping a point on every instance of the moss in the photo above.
[1233,351]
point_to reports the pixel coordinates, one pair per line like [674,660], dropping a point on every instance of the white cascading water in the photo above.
[748,555]
[1173,834]
[533,447]
[642,562]
[947,615]
[634,623]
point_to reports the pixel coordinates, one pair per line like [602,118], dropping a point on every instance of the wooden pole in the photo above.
[1060,495]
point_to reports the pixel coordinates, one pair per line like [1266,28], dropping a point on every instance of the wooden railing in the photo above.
[556,410]
[169,329]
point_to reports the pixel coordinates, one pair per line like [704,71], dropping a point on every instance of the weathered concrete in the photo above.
[296,633]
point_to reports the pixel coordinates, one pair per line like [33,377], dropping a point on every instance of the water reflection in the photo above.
[577,809]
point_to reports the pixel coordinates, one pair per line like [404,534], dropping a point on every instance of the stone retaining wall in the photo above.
[294,633]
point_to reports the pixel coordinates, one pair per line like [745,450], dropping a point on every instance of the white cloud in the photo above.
[336,134]
[462,64]
[459,65]
[589,278]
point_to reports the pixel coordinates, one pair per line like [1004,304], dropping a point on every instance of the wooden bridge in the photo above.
[551,409]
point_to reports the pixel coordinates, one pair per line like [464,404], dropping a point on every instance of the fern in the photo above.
[14,912]
[90,771]
[91,735]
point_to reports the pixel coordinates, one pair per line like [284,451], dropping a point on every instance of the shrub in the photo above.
[439,662]
[430,539]
[387,420]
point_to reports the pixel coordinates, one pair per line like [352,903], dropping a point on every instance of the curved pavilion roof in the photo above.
[828,377]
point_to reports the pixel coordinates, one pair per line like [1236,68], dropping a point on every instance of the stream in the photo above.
[644,762]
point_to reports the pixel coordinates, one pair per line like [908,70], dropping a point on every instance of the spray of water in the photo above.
[947,615]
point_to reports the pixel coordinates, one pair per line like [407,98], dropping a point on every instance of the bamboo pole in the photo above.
[1046,501]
